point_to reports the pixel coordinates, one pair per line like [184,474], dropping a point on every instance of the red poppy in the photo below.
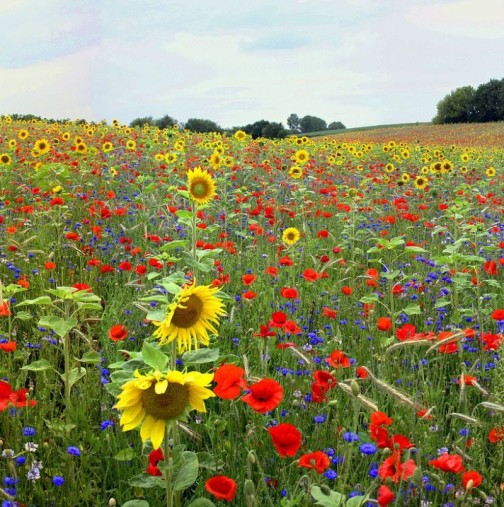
[118,333]
[230,381]
[498,314]
[124,266]
[310,275]
[317,460]
[324,381]
[285,261]
[248,279]
[265,332]
[289,293]
[373,273]
[338,359]
[221,487]
[385,496]
[396,471]
[327,312]
[361,372]
[290,327]
[50,265]
[380,419]
[286,438]
[271,271]
[15,398]
[471,479]
[384,324]
[278,320]
[264,395]
[448,463]
[4,309]
[249,294]
[467,380]
[8,346]
[490,267]
[155,457]
[450,347]
[496,435]
[82,286]
[346,290]
[322,234]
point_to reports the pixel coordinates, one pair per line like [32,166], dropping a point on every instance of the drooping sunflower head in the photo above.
[201,185]
[291,236]
[189,319]
[153,398]
[295,172]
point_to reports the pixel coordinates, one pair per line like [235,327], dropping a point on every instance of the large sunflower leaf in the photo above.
[153,356]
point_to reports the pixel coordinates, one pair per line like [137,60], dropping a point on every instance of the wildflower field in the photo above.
[202,319]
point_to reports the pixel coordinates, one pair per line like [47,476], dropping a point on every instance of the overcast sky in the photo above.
[362,62]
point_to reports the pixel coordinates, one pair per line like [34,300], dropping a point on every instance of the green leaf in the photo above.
[40,365]
[91,356]
[357,501]
[186,472]
[136,503]
[22,315]
[75,375]
[60,326]
[182,213]
[153,356]
[326,497]
[89,306]
[412,309]
[372,298]
[179,243]
[413,248]
[42,300]
[201,356]
[125,455]
[201,502]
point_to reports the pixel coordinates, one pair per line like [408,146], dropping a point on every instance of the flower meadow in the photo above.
[205,319]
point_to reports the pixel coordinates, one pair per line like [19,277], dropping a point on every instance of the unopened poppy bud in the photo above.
[251,457]
[325,489]
[469,485]
[355,388]
[138,492]
[112,502]
[249,488]
[418,476]
[483,495]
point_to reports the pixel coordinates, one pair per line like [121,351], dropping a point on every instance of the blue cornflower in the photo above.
[330,474]
[58,480]
[368,449]
[320,419]
[74,451]
[28,431]
[349,436]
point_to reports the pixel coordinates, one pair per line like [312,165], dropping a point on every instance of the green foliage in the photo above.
[310,123]
[201,125]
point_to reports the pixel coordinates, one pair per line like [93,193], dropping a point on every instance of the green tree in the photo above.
[336,125]
[489,101]
[456,107]
[293,122]
[140,122]
[165,122]
[202,125]
[312,124]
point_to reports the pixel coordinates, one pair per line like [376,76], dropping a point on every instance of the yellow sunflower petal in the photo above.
[161,386]
[157,433]
[145,431]
[134,423]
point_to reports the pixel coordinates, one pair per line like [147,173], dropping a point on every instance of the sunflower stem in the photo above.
[168,470]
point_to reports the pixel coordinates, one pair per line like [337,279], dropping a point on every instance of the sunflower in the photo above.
[201,185]
[107,146]
[389,167]
[291,236]
[190,317]
[421,182]
[131,144]
[154,398]
[295,172]
[215,159]
[81,148]
[301,157]
[22,134]
[239,135]
[405,177]
[171,158]
[490,172]
[42,146]
[5,158]
[65,136]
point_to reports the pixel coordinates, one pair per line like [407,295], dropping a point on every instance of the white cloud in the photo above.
[467,18]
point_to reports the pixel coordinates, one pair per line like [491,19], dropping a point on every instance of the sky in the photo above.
[361,62]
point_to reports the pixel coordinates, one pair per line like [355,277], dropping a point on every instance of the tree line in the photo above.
[260,128]
[473,105]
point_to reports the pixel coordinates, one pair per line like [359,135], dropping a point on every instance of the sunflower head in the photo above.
[190,318]
[291,236]
[295,172]
[153,398]
[201,185]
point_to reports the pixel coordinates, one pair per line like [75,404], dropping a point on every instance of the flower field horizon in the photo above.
[208,319]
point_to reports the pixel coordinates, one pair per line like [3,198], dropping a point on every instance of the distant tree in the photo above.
[165,122]
[489,101]
[264,128]
[456,107]
[312,124]
[293,122]
[201,125]
[255,129]
[140,122]
[336,125]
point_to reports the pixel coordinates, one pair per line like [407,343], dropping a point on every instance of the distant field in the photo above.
[473,134]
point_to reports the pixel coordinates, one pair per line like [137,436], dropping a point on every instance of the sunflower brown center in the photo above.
[190,314]
[169,405]
[199,189]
